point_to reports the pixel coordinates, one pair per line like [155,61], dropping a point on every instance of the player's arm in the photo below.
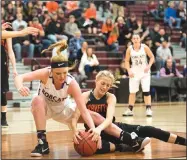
[24,32]
[127,59]
[127,63]
[11,55]
[111,101]
[150,55]
[40,74]
[75,91]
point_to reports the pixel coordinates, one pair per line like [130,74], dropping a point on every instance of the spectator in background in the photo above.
[10,13]
[23,43]
[181,12]
[89,63]
[70,27]
[170,15]
[185,71]
[18,22]
[107,27]
[45,19]
[72,8]
[61,18]
[121,72]
[82,50]
[52,6]
[112,40]
[161,37]
[152,8]
[162,54]
[90,15]
[118,8]
[75,44]
[139,28]
[132,22]
[34,13]
[169,69]
[124,34]
[55,29]
[37,39]
[183,40]
[161,9]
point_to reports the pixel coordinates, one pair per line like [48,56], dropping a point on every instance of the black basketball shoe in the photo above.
[125,148]
[138,142]
[40,149]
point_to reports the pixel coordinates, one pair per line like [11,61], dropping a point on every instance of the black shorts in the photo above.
[3,99]
[125,127]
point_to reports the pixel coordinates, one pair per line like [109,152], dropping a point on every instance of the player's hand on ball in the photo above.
[76,136]
[24,91]
[95,134]
[147,68]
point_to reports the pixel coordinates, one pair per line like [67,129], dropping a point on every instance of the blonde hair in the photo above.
[106,73]
[61,45]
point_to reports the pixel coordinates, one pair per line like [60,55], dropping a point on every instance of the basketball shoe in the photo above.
[139,143]
[128,112]
[40,149]
[4,123]
[149,112]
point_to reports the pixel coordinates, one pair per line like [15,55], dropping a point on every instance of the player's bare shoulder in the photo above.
[86,96]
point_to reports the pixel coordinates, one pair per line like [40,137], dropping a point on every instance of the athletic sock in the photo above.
[41,134]
[148,106]
[131,107]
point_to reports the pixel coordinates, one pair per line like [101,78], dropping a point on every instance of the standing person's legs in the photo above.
[145,82]
[133,88]
[39,111]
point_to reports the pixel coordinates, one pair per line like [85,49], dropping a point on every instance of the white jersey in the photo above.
[53,97]
[138,59]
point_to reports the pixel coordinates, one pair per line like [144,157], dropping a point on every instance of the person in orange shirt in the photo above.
[112,41]
[107,27]
[52,6]
[90,16]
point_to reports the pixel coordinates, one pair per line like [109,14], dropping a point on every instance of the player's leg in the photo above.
[38,109]
[133,88]
[150,131]
[4,123]
[117,135]
[145,82]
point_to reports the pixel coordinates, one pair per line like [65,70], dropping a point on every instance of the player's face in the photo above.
[103,84]
[59,74]
[136,39]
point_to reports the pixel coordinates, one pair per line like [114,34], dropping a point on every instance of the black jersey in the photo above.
[98,105]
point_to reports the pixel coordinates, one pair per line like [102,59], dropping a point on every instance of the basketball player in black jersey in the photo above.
[101,105]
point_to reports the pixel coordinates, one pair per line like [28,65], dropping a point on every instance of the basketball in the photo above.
[86,146]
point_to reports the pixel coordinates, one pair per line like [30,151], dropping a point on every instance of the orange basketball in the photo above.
[86,146]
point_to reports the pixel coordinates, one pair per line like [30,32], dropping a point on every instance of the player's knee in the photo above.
[146,93]
[37,103]
[97,118]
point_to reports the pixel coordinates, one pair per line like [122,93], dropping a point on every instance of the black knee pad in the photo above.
[105,147]
[146,93]
[3,99]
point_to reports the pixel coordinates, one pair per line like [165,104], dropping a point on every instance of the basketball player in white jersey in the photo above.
[139,72]
[52,99]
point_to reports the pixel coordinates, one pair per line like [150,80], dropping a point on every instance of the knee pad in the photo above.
[3,99]
[146,93]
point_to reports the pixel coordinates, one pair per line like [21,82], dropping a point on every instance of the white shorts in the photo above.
[62,114]
[134,83]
